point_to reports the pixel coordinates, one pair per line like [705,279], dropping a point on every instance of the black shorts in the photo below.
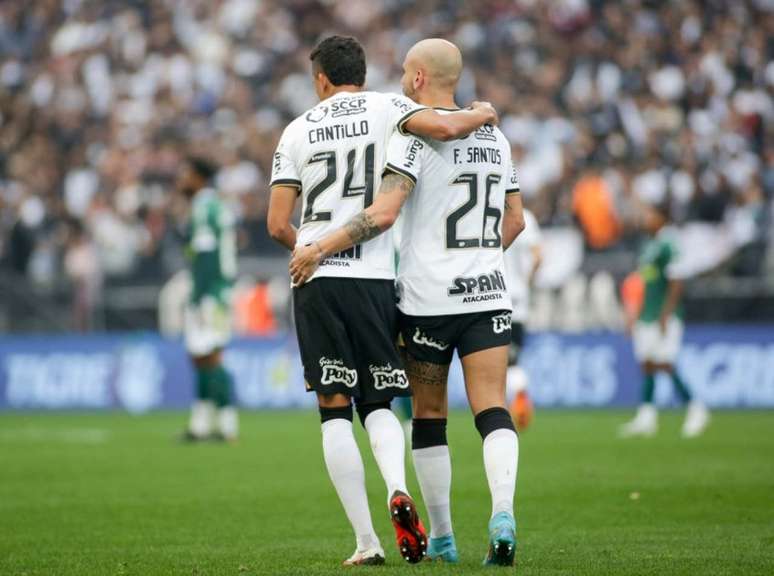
[347,329]
[434,338]
[517,343]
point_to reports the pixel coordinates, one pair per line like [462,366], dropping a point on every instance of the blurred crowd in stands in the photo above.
[607,104]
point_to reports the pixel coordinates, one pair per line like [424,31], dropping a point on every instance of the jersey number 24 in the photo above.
[331,175]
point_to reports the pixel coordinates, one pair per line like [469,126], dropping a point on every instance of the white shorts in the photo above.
[207,326]
[651,345]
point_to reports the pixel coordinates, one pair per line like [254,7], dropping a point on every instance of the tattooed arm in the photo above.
[363,227]
[513,222]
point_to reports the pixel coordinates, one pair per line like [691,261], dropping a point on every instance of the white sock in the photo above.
[345,468]
[501,461]
[433,467]
[516,381]
[389,447]
[647,413]
[228,422]
[202,413]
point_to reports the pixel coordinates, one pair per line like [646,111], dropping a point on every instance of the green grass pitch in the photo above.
[111,494]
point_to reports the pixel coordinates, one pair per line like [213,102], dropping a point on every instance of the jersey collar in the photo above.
[342,94]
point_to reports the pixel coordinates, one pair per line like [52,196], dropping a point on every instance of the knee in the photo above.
[333,401]
[430,407]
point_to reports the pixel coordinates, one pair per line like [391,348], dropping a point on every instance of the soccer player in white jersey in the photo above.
[463,208]
[332,157]
[522,261]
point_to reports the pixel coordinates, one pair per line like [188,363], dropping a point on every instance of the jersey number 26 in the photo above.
[471,181]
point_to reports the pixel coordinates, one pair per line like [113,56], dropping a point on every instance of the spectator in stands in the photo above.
[82,268]
[100,100]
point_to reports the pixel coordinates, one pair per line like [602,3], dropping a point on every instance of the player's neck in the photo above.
[344,88]
[438,100]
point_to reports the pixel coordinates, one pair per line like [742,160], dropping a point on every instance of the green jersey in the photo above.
[657,255]
[212,247]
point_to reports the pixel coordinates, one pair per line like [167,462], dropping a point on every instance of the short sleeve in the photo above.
[283,170]
[401,109]
[404,156]
[512,186]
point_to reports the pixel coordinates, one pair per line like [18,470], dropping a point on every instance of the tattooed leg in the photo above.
[428,384]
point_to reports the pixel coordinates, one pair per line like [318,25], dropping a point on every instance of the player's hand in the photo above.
[304,262]
[487,107]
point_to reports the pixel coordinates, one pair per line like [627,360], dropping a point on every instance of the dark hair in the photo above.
[341,59]
[202,167]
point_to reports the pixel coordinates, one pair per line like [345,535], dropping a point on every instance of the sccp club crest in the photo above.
[317,114]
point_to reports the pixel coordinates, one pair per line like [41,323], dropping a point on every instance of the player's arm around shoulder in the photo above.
[445,127]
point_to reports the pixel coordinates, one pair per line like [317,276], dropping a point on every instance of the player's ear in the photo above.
[321,84]
[419,79]
[324,82]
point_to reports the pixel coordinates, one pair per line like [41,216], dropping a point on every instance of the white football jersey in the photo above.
[335,155]
[519,262]
[451,253]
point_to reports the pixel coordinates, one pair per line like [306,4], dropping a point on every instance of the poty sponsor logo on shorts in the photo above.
[425,340]
[388,377]
[334,372]
[501,322]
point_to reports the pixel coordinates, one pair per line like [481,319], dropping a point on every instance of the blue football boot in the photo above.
[502,540]
[444,549]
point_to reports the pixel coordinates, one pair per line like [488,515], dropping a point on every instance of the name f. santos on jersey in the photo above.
[451,247]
